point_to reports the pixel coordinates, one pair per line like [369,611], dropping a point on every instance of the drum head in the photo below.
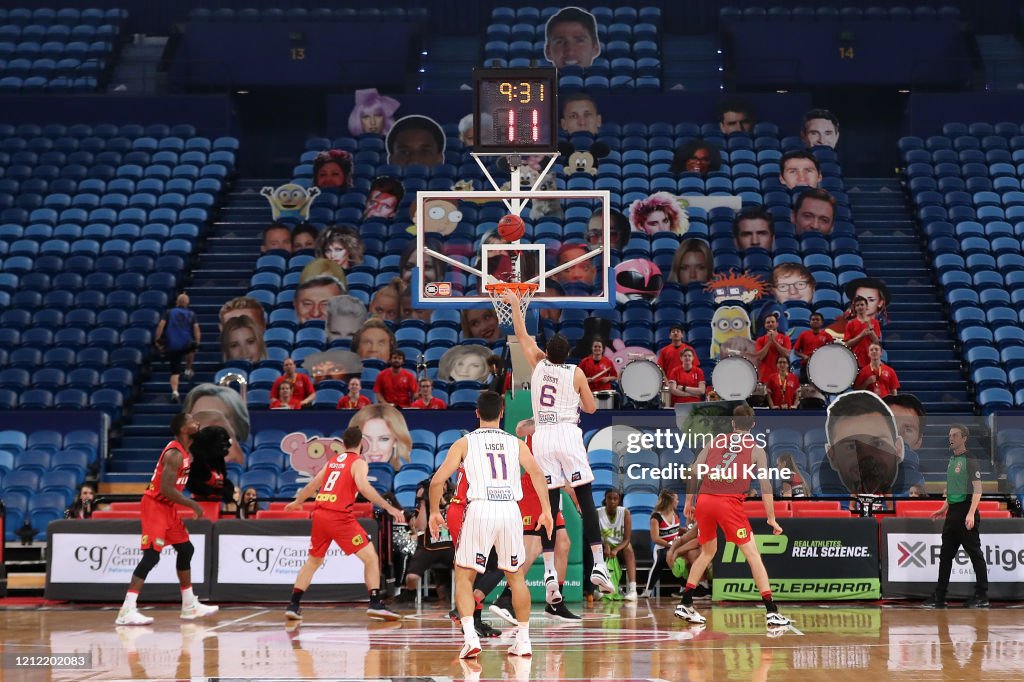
[734,378]
[832,368]
[641,380]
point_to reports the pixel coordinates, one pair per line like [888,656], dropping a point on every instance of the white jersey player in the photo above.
[558,391]
[491,458]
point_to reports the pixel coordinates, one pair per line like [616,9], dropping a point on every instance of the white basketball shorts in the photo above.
[497,525]
[561,454]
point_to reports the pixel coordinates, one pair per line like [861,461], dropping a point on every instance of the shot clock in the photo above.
[515,110]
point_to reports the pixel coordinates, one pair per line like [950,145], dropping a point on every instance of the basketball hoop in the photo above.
[525,291]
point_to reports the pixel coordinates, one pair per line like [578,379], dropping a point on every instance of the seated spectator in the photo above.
[249,506]
[793,282]
[599,370]
[664,529]
[285,399]
[659,212]
[244,306]
[84,503]
[465,362]
[386,436]
[820,128]
[385,195]
[618,229]
[494,371]
[616,530]
[481,323]
[754,228]
[302,385]
[793,483]
[696,156]
[670,356]
[876,376]
[345,316]
[374,340]
[276,237]
[814,211]
[311,297]
[799,169]
[395,385]
[583,272]
[340,244]
[782,386]
[693,263]
[429,552]
[426,399]
[304,237]
[917,490]
[354,399]
[373,114]
[735,115]
[332,169]
[686,383]
[415,140]
[570,38]
[240,339]
[467,134]
[580,115]
[386,303]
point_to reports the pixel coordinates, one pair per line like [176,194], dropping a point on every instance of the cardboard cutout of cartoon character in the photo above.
[582,160]
[309,455]
[290,201]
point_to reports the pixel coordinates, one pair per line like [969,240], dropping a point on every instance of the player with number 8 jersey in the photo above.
[336,486]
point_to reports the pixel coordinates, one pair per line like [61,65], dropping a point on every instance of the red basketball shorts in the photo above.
[453,517]
[336,527]
[161,525]
[725,511]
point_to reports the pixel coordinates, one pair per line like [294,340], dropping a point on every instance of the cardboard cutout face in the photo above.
[464,363]
[416,140]
[862,448]
[571,38]
[310,455]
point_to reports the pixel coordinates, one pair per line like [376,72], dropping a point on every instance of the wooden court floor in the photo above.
[865,643]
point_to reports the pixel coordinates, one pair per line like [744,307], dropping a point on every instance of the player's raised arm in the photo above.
[448,467]
[529,345]
[359,475]
[307,491]
[531,467]
[587,401]
[760,461]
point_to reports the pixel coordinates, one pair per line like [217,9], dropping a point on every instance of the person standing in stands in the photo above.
[877,376]
[686,381]
[179,335]
[599,370]
[961,527]
[395,385]
[302,385]
[161,525]
[770,347]
[861,331]
[809,341]
[670,356]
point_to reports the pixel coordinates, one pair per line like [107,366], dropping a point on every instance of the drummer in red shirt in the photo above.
[599,370]
[354,400]
[686,382]
[811,340]
[782,387]
[876,376]
[668,357]
[426,399]
[861,331]
[770,347]
[395,386]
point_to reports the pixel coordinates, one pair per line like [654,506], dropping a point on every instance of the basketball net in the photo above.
[525,291]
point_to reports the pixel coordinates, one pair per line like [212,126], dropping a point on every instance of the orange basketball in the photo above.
[511,228]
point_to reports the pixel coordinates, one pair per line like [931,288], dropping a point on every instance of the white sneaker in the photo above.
[777,619]
[197,610]
[601,579]
[689,614]
[631,595]
[471,649]
[554,595]
[504,614]
[131,617]
[521,647]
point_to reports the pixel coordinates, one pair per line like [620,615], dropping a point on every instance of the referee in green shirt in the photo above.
[963,493]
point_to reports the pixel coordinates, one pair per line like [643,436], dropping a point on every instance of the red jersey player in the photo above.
[161,525]
[337,483]
[723,489]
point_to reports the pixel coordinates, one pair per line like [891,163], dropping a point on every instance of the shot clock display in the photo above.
[515,110]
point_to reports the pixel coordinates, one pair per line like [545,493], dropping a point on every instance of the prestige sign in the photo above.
[912,549]
[808,561]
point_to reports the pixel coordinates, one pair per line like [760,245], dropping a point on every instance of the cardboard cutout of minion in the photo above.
[290,202]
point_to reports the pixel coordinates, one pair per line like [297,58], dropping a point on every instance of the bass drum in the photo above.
[607,400]
[641,381]
[734,378]
[832,368]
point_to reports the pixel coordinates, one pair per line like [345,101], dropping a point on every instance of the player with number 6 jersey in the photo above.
[558,392]
[336,486]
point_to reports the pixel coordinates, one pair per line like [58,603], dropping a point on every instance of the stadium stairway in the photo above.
[691,63]
[918,339]
[221,272]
